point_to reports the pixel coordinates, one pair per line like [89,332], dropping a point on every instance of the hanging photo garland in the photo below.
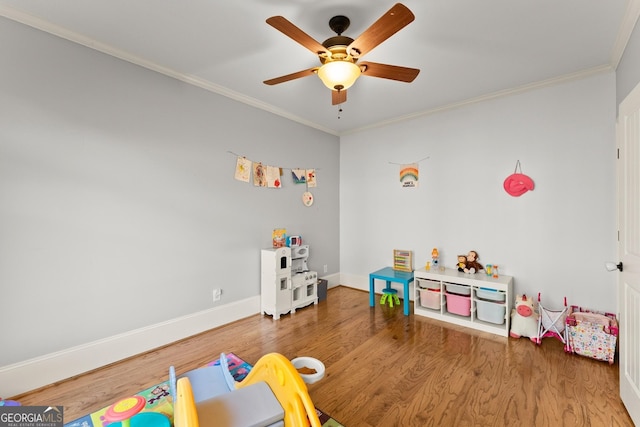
[271,176]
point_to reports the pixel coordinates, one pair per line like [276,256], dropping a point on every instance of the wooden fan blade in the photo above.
[338,97]
[292,76]
[392,72]
[283,25]
[398,17]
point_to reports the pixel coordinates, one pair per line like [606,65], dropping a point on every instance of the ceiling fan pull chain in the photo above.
[339,111]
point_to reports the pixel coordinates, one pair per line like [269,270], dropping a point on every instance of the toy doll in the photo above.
[462,263]
[434,258]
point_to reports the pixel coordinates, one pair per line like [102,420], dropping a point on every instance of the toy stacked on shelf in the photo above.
[402,260]
[279,237]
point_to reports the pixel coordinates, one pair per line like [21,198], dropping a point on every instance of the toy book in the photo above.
[279,237]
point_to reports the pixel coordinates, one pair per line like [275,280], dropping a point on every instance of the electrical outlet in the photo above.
[217,293]
[325,268]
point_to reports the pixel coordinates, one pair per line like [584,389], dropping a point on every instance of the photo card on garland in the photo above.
[299,176]
[259,175]
[243,169]
[311,178]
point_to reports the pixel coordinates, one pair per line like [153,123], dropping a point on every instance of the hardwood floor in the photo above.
[383,369]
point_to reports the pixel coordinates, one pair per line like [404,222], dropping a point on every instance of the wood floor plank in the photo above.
[383,369]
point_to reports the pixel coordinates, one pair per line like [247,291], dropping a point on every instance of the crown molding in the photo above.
[494,95]
[629,21]
[626,29]
[56,30]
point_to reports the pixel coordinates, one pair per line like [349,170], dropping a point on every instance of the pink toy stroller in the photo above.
[552,323]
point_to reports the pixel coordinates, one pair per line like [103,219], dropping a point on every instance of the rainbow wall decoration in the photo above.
[409,175]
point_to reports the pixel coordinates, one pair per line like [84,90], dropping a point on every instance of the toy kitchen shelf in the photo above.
[475,300]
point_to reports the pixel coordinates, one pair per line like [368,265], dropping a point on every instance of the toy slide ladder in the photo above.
[272,394]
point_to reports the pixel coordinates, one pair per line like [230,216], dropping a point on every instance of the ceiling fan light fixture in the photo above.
[339,54]
[339,75]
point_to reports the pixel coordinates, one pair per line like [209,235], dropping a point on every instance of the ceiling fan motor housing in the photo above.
[337,45]
[339,24]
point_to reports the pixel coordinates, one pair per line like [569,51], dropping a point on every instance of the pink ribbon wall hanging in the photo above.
[517,184]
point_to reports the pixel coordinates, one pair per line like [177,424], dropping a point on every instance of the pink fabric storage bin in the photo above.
[458,304]
[430,299]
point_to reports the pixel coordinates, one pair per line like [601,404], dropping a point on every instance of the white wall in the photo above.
[553,240]
[118,206]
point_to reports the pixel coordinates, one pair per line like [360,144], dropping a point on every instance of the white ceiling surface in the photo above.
[466,49]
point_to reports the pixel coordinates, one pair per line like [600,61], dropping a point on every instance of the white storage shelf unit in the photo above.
[475,300]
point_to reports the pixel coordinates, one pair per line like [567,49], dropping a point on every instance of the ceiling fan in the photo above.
[339,54]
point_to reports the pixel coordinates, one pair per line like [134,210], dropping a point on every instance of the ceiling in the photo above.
[467,50]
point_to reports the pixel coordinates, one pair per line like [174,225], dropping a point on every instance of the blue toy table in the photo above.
[389,275]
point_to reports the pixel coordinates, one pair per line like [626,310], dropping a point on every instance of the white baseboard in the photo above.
[333,280]
[38,372]
[32,374]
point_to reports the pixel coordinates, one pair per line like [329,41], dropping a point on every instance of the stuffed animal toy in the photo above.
[472,266]
[462,263]
[524,319]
